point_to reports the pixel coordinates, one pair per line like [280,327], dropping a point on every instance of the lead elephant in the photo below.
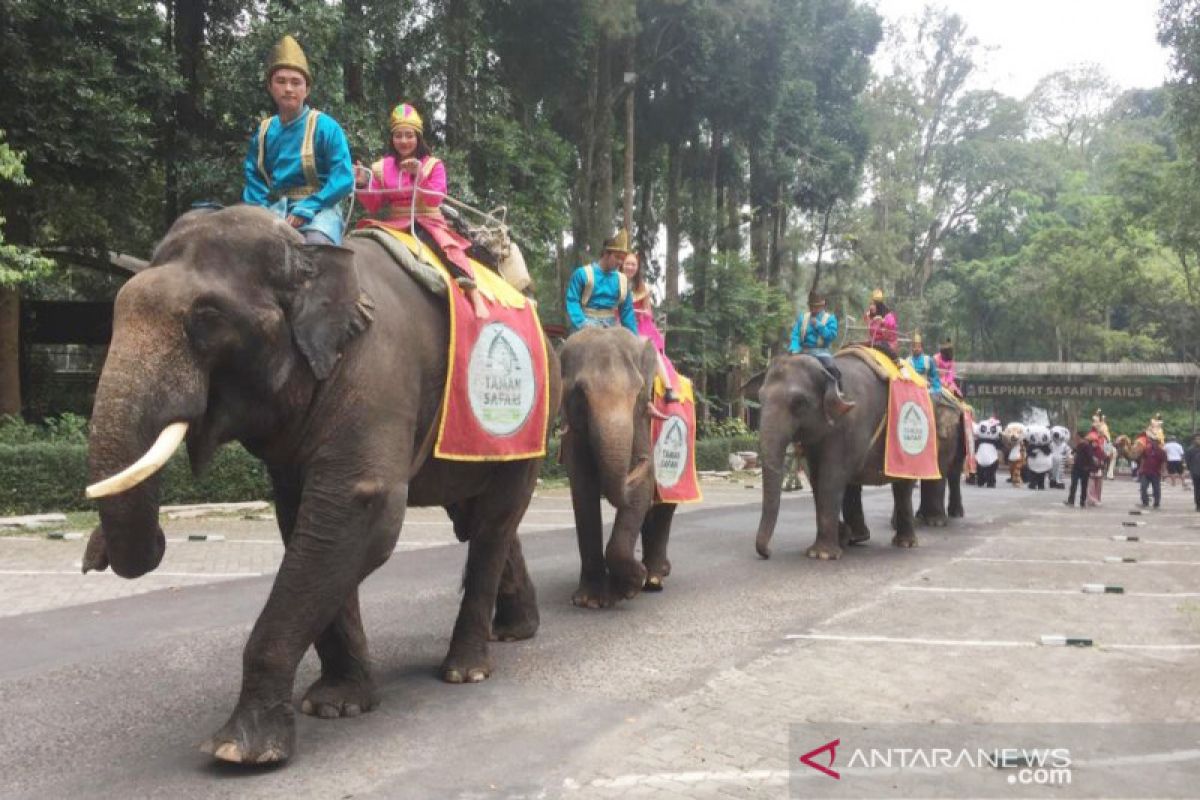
[607,378]
[327,363]
[844,449]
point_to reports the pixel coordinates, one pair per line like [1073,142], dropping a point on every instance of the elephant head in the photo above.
[226,336]
[608,375]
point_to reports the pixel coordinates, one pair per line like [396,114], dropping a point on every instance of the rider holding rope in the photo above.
[405,190]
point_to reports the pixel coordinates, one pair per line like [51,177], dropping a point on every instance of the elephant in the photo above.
[607,377]
[951,426]
[844,448]
[328,363]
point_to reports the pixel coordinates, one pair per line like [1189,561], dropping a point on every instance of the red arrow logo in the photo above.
[807,759]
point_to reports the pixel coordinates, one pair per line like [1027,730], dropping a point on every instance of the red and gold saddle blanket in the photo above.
[675,445]
[910,450]
[496,404]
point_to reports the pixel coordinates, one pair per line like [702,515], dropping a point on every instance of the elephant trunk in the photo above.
[149,381]
[611,437]
[776,435]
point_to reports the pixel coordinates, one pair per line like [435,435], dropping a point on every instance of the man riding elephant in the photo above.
[598,294]
[813,334]
[298,162]
[328,363]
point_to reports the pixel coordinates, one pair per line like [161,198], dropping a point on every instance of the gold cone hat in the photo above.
[287,54]
[619,242]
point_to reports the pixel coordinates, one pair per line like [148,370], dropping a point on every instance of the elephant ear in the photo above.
[324,303]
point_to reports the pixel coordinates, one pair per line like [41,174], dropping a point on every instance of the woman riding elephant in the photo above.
[843,445]
[607,378]
[328,363]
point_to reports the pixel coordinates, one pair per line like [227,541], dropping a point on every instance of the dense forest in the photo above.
[749,145]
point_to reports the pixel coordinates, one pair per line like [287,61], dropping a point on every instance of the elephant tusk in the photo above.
[159,453]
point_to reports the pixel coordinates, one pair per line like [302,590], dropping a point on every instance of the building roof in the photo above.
[1124,370]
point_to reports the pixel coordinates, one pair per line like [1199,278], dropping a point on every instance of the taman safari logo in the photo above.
[671,451]
[914,428]
[500,374]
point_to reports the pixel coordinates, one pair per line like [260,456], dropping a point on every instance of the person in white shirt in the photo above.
[1174,451]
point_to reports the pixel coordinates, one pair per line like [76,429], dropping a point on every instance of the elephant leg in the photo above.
[496,514]
[340,536]
[931,511]
[345,688]
[627,575]
[516,603]
[655,531]
[827,495]
[856,530]
[589,530]
[954,487]
[902,502]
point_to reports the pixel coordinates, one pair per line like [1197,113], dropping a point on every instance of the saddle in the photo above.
[884,368]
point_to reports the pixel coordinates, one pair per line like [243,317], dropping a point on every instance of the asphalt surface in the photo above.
[686,693]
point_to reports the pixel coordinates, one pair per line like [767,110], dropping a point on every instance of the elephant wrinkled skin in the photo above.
[327,363]
[843,450]
[607,378]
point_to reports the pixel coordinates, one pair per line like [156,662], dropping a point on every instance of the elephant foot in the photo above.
[330,698]
[904,540]
[626,579]
[516,618]
[655,574]
[956,512]
[932,520]
[255,736]
[592,593]
[824,552]
[466,667]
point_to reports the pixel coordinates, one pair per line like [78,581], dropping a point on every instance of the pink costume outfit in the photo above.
[643,311]
[883,331]
[945,368]
[389,197]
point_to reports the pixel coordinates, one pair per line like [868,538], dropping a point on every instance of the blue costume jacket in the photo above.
[813,333]
[598,310]
[288,187]
[927,367]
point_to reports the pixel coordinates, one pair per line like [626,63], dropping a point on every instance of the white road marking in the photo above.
[76,573]
[753,776]
[1068,561]
[980,590]
[830,637]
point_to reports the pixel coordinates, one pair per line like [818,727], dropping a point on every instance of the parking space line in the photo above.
[982,590]
[979,559]
[833,637]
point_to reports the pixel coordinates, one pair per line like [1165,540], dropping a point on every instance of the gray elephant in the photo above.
[844,448]
[327,363]
[607,378]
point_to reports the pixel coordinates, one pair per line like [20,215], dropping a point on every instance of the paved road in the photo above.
[685,694]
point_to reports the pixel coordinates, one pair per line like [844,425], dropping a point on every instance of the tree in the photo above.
[17,265]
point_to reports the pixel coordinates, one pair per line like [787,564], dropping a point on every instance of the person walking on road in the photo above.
[1081,470]
[1150,469]
[1174,451]
[1192,457]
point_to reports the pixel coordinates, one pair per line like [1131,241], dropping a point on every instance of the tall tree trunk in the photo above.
[627,215]
[10,375]
[352,68]
[581,211]
[187,40]
[458,42]
[674,170]
[605,206]
[816,282]
[702,257]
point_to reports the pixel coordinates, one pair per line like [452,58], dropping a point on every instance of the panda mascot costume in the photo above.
[1060,451]
[987,452]
[1038,455]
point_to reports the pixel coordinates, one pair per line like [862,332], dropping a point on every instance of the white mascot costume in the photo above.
[1038,458]
[987,451]
[1060,450]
